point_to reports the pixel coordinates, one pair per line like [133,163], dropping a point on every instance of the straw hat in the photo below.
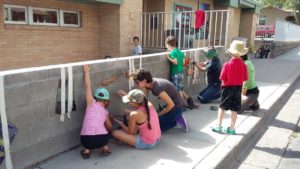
[237,48]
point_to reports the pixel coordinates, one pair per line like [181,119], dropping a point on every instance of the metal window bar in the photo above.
[199,36]
[189,40]
[216,23]
[149,30]
[195,34]
[144,30]
[175,28]
[221,30]
[157,28]
[227,27]
[209,31]
[179,32]
[184,29]
[204,34]
[166,34]
[161,30]
[152,40]
[141,33]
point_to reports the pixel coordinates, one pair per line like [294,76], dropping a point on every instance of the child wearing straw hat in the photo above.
[233,74]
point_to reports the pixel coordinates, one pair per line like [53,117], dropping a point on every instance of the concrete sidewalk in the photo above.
[200,148]
[279,147]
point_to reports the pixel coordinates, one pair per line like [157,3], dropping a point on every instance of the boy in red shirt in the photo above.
[233,74]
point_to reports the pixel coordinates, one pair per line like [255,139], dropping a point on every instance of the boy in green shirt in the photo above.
[176,57]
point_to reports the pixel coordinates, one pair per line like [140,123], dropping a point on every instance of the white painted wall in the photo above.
[286,31]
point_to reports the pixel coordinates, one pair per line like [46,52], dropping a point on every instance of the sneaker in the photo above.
[190,102]
[182,123]
[255,107]
[217,129]
[228,131]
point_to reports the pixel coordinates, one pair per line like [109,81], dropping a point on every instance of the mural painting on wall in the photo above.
[183,19]
[204,7]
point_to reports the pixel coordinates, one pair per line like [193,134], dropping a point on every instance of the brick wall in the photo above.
[130,24]
[102,33]
[109,30]
[234,24]
[154,6]
[248,27]
[27,46]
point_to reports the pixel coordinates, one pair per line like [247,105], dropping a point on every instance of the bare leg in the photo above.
[184,95]
[220,116]
[86,151]
[105,150]
[124,137]
[181,94]
[233,119]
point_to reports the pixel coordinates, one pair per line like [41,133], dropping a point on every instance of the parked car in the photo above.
[265,31]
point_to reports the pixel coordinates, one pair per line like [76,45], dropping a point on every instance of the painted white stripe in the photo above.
[63,94]
[25,70]
[8,162]
[130,71]
[70,91]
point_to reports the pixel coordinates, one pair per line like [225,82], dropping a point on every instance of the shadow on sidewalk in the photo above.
[280,152]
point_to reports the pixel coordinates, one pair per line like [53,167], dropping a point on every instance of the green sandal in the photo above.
[217,129]
[228,131]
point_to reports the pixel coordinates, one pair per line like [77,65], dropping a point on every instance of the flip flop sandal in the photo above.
[105,152]
[214,108]
[85,155]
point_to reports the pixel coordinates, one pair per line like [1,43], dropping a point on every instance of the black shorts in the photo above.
[94,141]
[231,98]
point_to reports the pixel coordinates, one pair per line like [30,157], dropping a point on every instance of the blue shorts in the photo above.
[139,144]
[178,81]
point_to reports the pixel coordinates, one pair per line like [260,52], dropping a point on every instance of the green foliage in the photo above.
[286,4]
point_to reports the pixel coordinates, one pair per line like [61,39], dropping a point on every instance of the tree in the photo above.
[291,19]
[287,4]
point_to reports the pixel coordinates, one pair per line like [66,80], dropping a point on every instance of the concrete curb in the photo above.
[231,151]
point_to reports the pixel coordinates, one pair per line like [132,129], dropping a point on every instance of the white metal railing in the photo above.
[286,31]
[156,26]
[193,54]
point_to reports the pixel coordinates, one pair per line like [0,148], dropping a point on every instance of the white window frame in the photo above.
[43,24]
[9,14]
[61,14]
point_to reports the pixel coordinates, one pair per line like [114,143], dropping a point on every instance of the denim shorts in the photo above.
[178,81]
[139,144]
